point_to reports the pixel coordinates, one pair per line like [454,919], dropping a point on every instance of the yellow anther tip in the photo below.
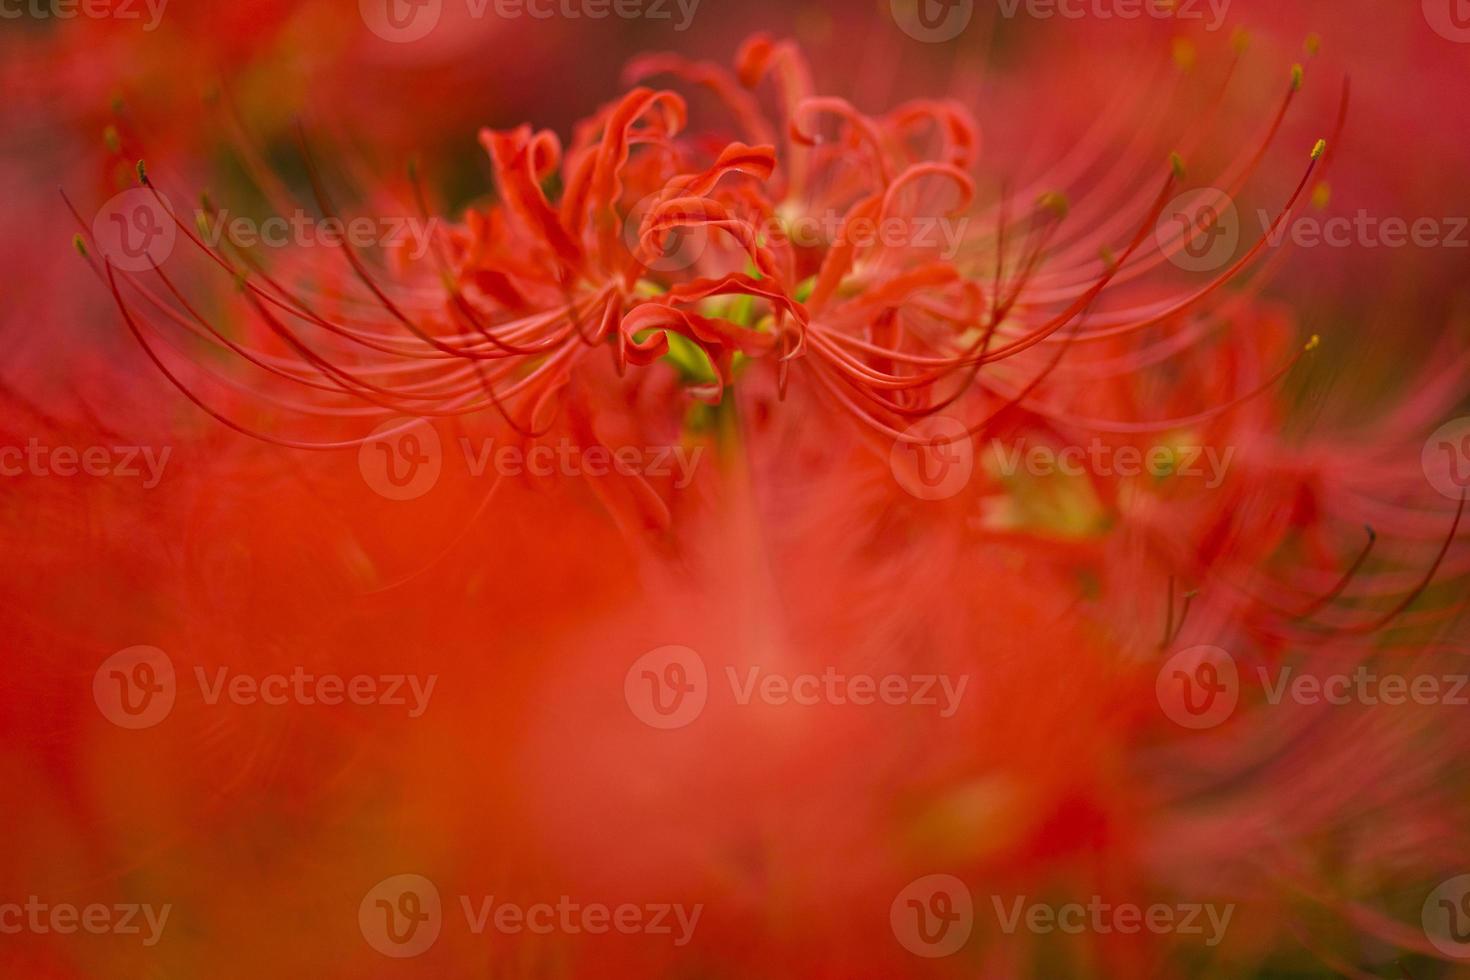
[1055,202]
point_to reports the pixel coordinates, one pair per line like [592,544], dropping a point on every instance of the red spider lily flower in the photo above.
[891,331]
